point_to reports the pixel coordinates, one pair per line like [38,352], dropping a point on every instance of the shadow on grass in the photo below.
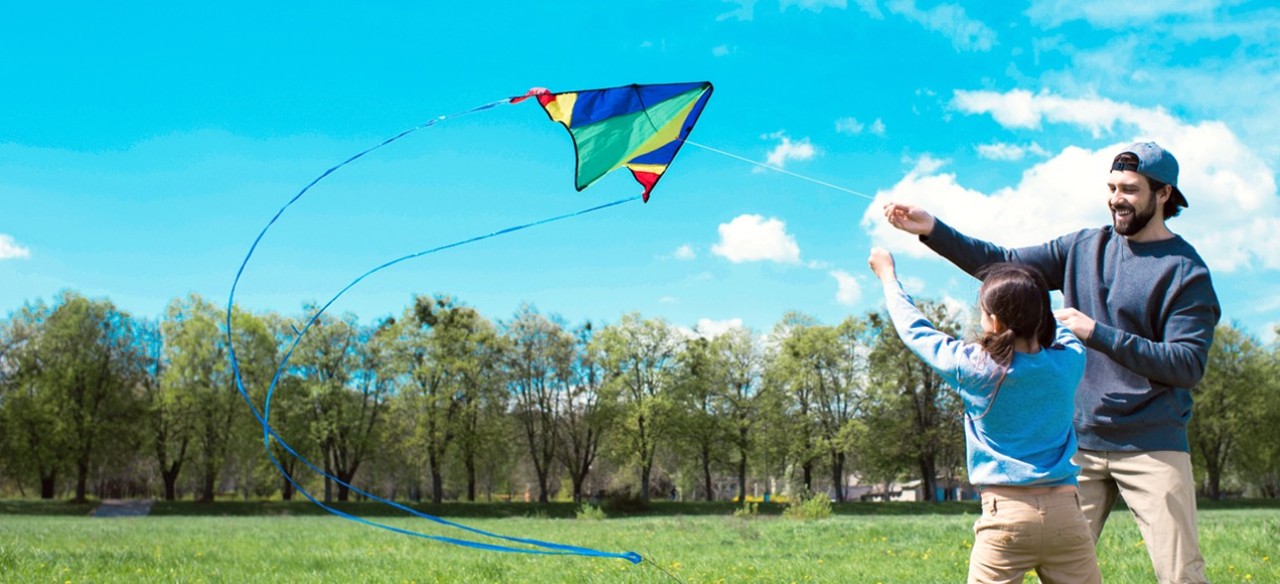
[497,510]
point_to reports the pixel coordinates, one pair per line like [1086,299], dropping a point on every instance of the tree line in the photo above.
[441,402]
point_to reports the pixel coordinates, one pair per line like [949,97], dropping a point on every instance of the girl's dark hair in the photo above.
[1018,296]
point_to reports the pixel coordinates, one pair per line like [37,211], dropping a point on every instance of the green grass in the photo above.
[1241,545]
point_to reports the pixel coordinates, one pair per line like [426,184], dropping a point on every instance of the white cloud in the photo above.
[877,127]
[949,20]
[869,6]
[848,290]
[812,5]
[9,248]
[1021,109]
[722,50]
[684,252]
[1103,13]
[744,12]
[750,238]
[1002,151]
[668,300]
[854,127]
[788,150]
[849,126]
[1234,218]
[912,284]
[710,329]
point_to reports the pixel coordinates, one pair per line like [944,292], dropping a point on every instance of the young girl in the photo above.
[1018,384]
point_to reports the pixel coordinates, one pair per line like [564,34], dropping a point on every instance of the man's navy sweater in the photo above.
[1155,310]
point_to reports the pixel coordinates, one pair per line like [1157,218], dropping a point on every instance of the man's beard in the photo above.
[1134,222]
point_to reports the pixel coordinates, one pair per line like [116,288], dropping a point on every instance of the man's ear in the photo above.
[1162,196]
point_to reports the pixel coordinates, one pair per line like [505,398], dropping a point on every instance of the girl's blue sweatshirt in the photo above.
[1021,433]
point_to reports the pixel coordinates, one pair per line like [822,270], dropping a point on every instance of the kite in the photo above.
[638,126]
[641,127]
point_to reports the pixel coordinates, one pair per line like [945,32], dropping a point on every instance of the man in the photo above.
[1141,299]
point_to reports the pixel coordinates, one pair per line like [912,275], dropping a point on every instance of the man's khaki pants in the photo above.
[1018,533]
[1160,491]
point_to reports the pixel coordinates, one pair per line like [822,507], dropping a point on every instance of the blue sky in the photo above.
[143,147]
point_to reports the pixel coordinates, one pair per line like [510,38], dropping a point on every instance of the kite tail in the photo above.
[269,433]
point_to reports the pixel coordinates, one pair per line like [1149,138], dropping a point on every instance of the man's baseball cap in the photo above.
[1156,163]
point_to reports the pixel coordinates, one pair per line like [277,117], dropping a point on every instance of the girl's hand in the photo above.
[909,218]
[881,262]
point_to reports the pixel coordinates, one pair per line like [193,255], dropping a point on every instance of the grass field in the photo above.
[55,542]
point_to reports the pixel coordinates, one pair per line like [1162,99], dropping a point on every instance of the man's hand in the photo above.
[1081,326]
[909,218]
[881,262]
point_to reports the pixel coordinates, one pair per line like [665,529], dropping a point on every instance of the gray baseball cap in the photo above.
[1156,163]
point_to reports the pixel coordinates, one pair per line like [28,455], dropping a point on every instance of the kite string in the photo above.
[780,169]
[269,433]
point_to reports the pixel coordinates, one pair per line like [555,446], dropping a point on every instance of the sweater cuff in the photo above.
[1104,338]
[941,235]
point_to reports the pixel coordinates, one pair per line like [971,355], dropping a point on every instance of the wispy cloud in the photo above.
[1002,151]
[1234,219]
[848,290]
[786,150]
[1103,13]
[853,126]
[744,12]
[722,51]
[10,250]
[749,238]
[710,329]
[683,253]
[951,21]
[813,5]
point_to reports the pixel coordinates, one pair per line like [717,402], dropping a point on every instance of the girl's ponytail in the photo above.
[999,346]
[1018,297]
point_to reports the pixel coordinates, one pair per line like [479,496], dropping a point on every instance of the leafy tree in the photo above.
[346,371]
[438,346]
[33,438]
[639,355]
[1228,403]
[907,389]
[540,370]
[585,415]
[89,363]
[701,427]
[744,400]
[823,368]
[169,421]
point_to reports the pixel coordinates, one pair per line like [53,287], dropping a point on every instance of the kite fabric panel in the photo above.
[640,127]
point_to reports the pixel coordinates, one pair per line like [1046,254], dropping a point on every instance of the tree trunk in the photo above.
[928,479]
[344,488]
[644,483]
[742,465]
[170,482]
[82,481]
[437,481]
[210,477]
[328,477]
[706,472]
[47,484]
[471,481]
[837,475]
[286,489]
[808,476]
[577,488]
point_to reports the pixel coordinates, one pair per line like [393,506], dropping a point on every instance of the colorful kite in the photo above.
[640,127]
